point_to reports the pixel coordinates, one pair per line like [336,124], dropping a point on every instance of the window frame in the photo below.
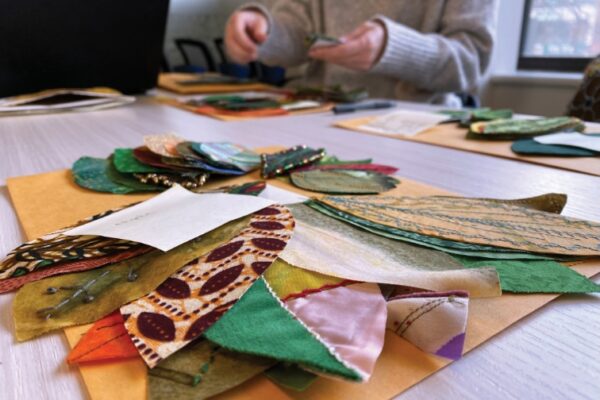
[549,64]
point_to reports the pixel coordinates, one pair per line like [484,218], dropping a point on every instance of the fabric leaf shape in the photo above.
[435,322]
[259,324]
[197,295]
[536,276]
[107,340]
[343,181]
[38,308]
[356,334]
[201,370]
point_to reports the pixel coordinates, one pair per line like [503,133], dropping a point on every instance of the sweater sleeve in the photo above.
[290,21]
[453,60]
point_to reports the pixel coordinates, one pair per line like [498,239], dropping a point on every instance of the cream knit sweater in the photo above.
[434,47]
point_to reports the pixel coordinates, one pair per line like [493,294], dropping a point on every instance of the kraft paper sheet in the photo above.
[49,201]
[450,135]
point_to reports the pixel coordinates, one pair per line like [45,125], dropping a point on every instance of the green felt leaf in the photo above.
[530,147]
[258,324]
[36,312]
[505,129]
[91,173]
[201,370]
[128,180]
[343,181]
[291,376]
[125,162]
[545,276]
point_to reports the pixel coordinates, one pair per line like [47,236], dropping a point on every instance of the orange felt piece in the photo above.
[106,340]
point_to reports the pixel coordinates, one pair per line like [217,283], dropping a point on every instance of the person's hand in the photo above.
[244,32]
[360,50]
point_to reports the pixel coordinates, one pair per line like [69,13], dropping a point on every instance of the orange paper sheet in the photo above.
[453,136]
[49,201]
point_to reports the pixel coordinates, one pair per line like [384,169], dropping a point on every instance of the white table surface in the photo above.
[552,354]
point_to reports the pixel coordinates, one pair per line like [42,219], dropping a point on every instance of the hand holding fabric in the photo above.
[359,50]
[245,31]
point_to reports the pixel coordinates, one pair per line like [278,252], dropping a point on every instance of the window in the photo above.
[559,35]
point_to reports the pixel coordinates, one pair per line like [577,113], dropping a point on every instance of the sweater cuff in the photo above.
[407,52]
[261,9]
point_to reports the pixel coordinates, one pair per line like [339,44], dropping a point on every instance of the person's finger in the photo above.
[258,29]
[240,34]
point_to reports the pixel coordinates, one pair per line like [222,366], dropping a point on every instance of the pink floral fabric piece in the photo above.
[349,320]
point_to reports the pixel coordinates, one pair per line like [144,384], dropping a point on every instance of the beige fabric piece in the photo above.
[321,250]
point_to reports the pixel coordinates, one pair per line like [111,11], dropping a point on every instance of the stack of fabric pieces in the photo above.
[268,293]
[165,160]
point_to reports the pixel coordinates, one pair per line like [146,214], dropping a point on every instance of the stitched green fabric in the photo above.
[535,276]
[37,311]
[128,180]
[447,246]
[533,148]
[506,129]
[258,324]
[343,181]
[291,376]
[201,370]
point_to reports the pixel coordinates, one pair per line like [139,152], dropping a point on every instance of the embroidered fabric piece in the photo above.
[521,128]
[6,285]
[355,333]
[279,163]
[444,245]
[337,249]
[163,145]
[193,164]
[90,295]
[434,322]
[55,248]
[91,173]
[478,221]
[107,340]
[202,370]
[544,276]
[343,181]
[259,324]
[192,299]
[379,168]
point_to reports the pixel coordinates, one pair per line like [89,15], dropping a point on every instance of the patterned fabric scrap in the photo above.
[201,370]
[435,322]
[84,297]
[195,297]
[507,129]
[355,334]
[163,145]
[276,164]
[226,153]
[343,181]
[379,168]
[259,324]
[478,221]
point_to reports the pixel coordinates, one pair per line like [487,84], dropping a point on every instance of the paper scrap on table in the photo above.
[404,122]
[573,139]
[281,196]
[173,217]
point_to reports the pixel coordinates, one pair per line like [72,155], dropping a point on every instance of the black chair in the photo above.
[185,46]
